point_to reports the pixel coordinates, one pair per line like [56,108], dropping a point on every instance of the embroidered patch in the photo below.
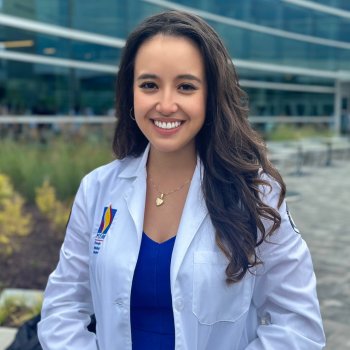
[106,222]
[291,221]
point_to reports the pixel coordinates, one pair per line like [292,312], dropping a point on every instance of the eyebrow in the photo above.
[181,76]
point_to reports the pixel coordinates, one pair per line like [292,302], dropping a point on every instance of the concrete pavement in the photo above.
[322,214]
[6,337]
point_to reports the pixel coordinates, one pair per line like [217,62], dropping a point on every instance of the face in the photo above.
[169,92]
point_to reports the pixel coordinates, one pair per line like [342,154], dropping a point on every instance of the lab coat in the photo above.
[275,306]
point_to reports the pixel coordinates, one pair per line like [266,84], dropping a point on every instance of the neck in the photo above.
[179,164]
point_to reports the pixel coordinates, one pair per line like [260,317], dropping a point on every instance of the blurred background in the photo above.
[292,56]
[58,65]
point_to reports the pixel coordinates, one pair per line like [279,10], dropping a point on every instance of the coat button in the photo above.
[179,304]
[265,320]
[119,303]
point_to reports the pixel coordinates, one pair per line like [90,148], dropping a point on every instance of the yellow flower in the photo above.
[50,207]
[13,222]
[6,188]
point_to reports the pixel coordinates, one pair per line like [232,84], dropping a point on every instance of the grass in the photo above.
[63,163]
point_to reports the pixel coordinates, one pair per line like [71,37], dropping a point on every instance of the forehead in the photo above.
[171,54]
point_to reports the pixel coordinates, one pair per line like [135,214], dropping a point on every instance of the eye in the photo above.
[148,85]
[187,87]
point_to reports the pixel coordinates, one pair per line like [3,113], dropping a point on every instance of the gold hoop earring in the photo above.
[131,114]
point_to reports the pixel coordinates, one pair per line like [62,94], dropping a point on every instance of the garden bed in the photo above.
[34,256]
[18,306]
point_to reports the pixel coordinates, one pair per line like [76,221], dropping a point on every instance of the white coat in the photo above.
[275,307]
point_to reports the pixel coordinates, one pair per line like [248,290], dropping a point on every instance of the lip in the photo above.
[167,132]
[167,120]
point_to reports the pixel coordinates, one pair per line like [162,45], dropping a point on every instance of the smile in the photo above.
[166,125]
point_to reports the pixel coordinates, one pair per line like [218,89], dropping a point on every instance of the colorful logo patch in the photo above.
[106,222]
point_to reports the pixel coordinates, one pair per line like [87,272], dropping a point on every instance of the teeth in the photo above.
[168,125]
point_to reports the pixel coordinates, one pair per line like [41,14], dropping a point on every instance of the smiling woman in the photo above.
[170,93]
[200,252]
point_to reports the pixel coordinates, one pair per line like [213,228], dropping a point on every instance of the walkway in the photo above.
[322,214]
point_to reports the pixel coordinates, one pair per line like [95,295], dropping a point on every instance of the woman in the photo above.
[185,242]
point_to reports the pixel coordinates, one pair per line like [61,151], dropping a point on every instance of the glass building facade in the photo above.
[59,58]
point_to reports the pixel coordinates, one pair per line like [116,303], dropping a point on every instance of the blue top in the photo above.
[152,320]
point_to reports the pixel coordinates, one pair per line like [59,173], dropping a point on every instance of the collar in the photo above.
[135,166]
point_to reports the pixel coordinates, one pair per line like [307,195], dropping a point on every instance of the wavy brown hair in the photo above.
[232,153]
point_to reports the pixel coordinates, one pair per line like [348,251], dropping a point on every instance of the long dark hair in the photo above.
[232,153]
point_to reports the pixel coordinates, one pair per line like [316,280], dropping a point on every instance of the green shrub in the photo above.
[290,132]
[50,207]
[13,221]
[14,312]
[63,163]
[6,188]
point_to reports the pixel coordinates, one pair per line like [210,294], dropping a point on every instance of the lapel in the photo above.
[135,195]
[194,211]
[193,215]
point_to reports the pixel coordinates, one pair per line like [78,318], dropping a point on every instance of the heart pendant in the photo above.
[160,200]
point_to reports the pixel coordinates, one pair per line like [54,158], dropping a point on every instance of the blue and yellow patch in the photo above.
[106,222]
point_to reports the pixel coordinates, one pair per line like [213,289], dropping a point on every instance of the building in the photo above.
[59,58]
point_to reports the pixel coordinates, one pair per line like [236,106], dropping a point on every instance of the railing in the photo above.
[49,119]
[299,157]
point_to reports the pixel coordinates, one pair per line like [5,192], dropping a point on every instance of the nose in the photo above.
[166,104]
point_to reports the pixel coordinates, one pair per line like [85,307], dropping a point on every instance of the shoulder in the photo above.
[269,189]
[113,177]
[270,193]
[108,173]
[110,169]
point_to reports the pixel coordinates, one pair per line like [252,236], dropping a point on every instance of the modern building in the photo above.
[59,58]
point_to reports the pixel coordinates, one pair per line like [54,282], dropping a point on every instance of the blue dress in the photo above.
[151,312]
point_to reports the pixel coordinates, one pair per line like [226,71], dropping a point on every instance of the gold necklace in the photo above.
[161,197]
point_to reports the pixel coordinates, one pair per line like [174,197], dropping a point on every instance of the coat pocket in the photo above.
[213,299]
